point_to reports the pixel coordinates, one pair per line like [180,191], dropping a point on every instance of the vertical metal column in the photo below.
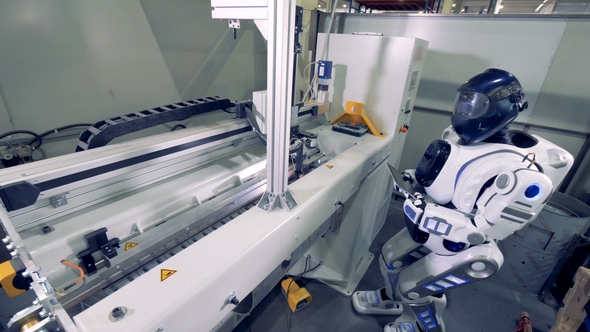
[281,27]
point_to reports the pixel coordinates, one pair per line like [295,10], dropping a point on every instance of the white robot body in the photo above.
[470,166]
[474,195]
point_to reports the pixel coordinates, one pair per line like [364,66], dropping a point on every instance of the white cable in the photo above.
[325,50]
[305,76]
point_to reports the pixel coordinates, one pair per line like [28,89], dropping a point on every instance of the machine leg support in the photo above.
[270,201]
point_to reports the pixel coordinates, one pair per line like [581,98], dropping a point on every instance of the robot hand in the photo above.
[410,176]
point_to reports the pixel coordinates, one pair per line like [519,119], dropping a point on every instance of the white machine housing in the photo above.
[364,68]
[190,212]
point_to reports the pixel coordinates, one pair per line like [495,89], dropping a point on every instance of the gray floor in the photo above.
[486,306]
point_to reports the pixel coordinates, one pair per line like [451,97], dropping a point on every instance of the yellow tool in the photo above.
[297,297]
[7,275]
[354,113]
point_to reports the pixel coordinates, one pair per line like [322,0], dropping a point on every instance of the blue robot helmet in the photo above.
[485,104]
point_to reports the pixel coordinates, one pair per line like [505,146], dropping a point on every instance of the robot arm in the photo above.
[463,250]
[514,200]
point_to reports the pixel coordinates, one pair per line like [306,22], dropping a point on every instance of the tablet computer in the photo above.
[399,180]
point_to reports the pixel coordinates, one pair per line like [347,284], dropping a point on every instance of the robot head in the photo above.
[485,104]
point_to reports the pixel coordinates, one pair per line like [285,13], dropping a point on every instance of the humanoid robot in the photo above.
[479,184]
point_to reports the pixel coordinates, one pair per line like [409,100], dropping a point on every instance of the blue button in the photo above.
[532,191]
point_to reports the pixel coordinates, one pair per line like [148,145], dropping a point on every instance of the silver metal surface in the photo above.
[281,17]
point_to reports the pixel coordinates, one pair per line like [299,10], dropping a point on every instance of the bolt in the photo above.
[42,313]
[36,302]
[10,246]
[14,254]
[46,287]
[232,299]
[25,274]
[6,240]
[117,312]
[118,268]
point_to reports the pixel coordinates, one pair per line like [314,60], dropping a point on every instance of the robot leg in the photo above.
[421,284]
[427,311]
[399,252]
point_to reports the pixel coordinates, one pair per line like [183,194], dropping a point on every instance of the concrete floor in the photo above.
[487,306]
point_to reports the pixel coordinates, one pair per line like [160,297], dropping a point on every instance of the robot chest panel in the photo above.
[479,172]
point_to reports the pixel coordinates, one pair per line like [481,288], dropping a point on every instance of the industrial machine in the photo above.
[479,184]
[189,230]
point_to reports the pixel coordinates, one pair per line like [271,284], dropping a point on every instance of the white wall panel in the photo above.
[461,47]
[565,97]
[78,61]
[65,61]
[200,52]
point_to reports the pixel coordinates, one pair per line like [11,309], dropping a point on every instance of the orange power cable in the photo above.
[63,261]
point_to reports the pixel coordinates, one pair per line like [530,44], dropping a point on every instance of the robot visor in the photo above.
[471,104]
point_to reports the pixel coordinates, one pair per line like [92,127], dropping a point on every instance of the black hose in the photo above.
[56,130]
[299,159]
[28,132]
[178,126]
[252,120]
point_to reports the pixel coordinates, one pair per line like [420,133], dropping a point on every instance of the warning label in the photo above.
[165,274]
[130,245]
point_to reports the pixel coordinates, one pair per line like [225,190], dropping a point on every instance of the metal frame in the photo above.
[459,16]
[281,28]
[276,21]
[351,8]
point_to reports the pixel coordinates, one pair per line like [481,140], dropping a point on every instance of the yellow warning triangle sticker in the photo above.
[130,245]
[165,274]
[330,166]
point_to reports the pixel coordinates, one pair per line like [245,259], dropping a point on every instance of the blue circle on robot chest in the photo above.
[532,191]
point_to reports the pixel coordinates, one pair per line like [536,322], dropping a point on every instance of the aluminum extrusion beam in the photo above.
[58,177]
[278,27]
[281,41]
